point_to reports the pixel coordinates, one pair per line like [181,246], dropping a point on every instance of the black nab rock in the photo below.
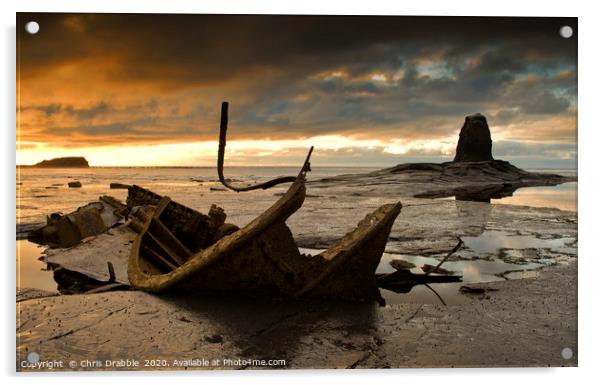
[475,143]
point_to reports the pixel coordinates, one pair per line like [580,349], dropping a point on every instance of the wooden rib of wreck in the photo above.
[261,258]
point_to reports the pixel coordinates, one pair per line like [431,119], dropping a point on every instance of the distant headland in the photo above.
[65,162]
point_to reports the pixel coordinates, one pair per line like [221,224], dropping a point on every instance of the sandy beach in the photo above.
[515,322]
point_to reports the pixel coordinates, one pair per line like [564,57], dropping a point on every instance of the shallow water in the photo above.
[492,269]
[562,197]
[33,274]
[487,244]
[474,271]
[43,191]
[491,241]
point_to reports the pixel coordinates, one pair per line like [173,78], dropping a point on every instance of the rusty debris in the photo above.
[262,258]
[194,230]
[73,282]
[223,128]
[68,230]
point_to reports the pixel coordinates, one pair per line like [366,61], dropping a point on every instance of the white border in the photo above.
[590,141]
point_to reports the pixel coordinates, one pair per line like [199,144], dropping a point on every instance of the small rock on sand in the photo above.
[400,264]
[115,185]
[434,269]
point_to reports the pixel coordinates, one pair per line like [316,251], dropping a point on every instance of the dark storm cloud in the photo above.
[394,77]
[95,130]
[211,48]
[81,113]
[546,103]
[511,149]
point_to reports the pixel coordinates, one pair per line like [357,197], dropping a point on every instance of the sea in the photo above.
[42,191]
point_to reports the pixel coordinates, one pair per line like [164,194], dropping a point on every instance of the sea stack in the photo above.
[475,142]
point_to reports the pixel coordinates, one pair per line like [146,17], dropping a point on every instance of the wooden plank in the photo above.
[158,258]
[177,260]
[167,238]
[154,244]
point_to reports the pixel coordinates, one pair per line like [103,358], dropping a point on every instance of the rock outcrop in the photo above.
[473,175]
[70,161]
[475,142]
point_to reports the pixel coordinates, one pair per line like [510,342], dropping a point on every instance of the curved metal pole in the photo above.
[223,127]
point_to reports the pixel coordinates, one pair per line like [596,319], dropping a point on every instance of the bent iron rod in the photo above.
[223,127]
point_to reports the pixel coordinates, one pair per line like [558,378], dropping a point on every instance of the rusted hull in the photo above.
[262,258]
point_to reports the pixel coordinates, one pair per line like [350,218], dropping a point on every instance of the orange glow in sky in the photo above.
[88,86]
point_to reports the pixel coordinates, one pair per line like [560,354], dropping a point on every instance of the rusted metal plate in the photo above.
[90,257]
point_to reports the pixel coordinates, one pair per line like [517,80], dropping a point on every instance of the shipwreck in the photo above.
[262,258]
[154,244]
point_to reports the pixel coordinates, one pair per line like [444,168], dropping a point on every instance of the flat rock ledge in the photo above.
[476,181]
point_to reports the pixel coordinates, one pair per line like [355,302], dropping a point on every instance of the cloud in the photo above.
[49,110]
[144,79]
[511,149]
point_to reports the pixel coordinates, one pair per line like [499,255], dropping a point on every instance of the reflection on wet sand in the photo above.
[472,271]
[474,193]
[491,241]
[31,272]
[562,196]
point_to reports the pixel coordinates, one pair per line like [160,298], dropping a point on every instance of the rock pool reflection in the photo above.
[562,196]
[490,241]
[31,272]
[472,271]
[490,264]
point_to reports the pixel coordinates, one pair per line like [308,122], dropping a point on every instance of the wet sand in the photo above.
[525,322]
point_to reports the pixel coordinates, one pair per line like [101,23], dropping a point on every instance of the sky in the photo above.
[146,90]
